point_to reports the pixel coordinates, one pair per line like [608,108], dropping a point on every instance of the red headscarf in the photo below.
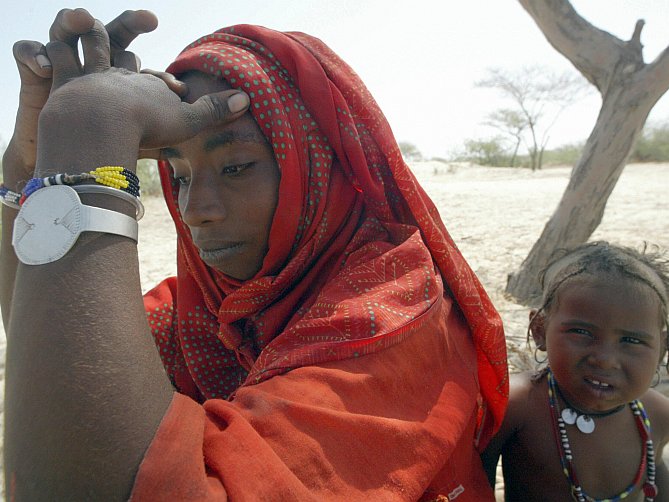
[357,251]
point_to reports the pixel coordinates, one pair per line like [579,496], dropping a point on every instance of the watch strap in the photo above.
[98,219]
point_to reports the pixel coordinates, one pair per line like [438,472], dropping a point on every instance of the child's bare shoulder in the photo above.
[657,407]
[522,382]
[526,389]
[524,385]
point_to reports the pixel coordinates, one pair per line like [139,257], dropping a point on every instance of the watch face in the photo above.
[47,226]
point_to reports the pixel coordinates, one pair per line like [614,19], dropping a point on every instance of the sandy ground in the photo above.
[493,214]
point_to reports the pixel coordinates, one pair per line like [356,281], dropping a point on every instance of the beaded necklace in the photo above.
[584,421]
[647,463]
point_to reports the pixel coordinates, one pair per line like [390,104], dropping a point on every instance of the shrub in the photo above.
[149,179]
[653,145]
[486,152]
[410,152]
[566,155]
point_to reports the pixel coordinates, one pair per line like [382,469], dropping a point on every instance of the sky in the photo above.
[419,58]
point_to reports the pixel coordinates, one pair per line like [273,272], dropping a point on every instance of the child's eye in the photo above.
[632,340]
[236,169]
[579,331]
[182,180]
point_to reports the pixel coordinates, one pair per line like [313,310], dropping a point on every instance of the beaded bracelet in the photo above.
[112,176]
[115,180]
[9,197]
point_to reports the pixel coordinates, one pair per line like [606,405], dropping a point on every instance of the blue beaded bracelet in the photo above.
[9,197]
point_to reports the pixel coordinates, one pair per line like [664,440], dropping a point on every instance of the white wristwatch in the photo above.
[51,220]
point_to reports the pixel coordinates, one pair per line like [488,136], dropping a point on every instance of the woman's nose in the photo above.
[199,202]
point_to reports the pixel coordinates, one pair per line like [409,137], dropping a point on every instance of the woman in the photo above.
[324,335]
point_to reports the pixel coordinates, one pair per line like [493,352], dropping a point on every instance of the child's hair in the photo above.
[649,266]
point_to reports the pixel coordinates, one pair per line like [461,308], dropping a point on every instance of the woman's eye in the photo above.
[236,168]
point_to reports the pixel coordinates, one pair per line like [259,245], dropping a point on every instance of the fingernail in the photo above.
[43,61]
[238,102]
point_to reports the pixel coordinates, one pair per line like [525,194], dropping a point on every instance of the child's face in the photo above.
[604,338]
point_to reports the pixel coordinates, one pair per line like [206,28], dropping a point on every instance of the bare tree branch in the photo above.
[636,36]
[594,52]
[659,72]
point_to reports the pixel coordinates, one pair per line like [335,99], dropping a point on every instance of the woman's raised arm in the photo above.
[35,69]
[85,389]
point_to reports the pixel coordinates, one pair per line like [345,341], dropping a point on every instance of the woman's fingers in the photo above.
[95,46]
[176,86]
[69,25]
[169,121]
[128,60]
[212,109]
[64,61]
[128,26]
[123,30]
[32,61]
[102,45]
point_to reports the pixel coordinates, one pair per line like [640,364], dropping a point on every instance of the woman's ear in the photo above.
[537,328]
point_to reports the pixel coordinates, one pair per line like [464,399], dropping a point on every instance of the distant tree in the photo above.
[539,96]
[410,152]
[3,147]
[512,123]
[629,88]
[486,152]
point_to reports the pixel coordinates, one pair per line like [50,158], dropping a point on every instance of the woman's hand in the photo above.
[35,71]
[102,115]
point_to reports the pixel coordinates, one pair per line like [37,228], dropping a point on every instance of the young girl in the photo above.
[587,426]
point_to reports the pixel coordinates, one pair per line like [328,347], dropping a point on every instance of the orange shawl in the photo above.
[360,276]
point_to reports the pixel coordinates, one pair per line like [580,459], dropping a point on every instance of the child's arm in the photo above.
[490,457]
[661,480]
[513,420]
[657,406]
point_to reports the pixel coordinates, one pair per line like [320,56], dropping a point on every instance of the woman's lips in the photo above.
[215,254]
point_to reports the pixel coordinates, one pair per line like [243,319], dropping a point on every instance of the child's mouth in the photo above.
[600,390]
[598,384]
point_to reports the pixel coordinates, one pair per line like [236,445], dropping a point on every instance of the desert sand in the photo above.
[494,215]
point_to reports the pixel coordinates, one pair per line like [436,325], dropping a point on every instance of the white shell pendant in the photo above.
[585,424]
[569,416]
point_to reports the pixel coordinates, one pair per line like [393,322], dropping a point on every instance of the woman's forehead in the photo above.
[200,84]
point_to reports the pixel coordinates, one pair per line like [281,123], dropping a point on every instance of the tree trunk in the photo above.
[515,153]
[593,179]
[629,91]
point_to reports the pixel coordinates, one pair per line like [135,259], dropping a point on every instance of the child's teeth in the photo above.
[597,382]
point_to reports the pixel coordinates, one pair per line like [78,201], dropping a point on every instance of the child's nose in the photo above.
[604,356]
